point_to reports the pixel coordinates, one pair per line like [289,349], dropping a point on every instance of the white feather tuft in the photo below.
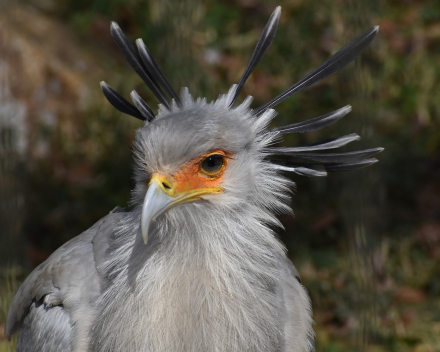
[213,275]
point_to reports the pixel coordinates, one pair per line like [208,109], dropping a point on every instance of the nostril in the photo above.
[166,185]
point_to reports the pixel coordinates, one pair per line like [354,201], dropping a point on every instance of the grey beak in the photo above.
[156,202]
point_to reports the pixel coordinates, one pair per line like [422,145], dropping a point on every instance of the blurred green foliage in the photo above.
[367,243]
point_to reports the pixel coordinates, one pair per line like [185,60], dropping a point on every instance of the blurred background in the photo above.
[366,243]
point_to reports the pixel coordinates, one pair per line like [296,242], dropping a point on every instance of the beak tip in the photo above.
[144,234]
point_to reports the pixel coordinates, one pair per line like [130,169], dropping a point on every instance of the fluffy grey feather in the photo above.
[212,279]
[212,276]
[67,282]
[45,329]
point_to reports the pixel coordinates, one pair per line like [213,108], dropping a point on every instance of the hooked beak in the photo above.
[161,196]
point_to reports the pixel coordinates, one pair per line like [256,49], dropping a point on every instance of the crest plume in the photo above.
[148,69]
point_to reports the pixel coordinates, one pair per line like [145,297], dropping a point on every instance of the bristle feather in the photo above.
[119,102]
[351,166]
[319,168]
[154,69]
[348,157]
[314,124]
[331,144]
[332,65]
[263,44]
[142,106]
[135,62]
[303,171]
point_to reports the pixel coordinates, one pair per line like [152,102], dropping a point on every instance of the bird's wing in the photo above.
[60,293]
[296,309]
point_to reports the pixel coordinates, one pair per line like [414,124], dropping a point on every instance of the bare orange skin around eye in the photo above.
[191,178]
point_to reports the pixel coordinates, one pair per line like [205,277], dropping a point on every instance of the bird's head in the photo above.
[202,152]
[215,154]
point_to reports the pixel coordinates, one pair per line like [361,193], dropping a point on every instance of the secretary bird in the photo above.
[194,264]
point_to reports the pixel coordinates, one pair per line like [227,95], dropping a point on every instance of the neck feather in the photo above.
[204,282]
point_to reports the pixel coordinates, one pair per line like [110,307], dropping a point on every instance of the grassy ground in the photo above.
[10,280]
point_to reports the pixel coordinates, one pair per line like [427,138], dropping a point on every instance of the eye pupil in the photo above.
[212,163]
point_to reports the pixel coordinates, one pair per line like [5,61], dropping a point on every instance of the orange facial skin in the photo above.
[192,179]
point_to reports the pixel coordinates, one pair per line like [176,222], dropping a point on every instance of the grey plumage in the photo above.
[66,287]
[212,275]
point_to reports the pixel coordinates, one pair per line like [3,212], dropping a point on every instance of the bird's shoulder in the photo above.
[296,308]
[70,274]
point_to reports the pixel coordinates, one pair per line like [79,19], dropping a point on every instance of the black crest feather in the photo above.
[263,44]
[142,106]
[119,102]
[306,160]
[135,62]
[314,124]
[155,70]
[343,57]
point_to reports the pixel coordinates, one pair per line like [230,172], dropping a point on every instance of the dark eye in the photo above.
[212,164]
